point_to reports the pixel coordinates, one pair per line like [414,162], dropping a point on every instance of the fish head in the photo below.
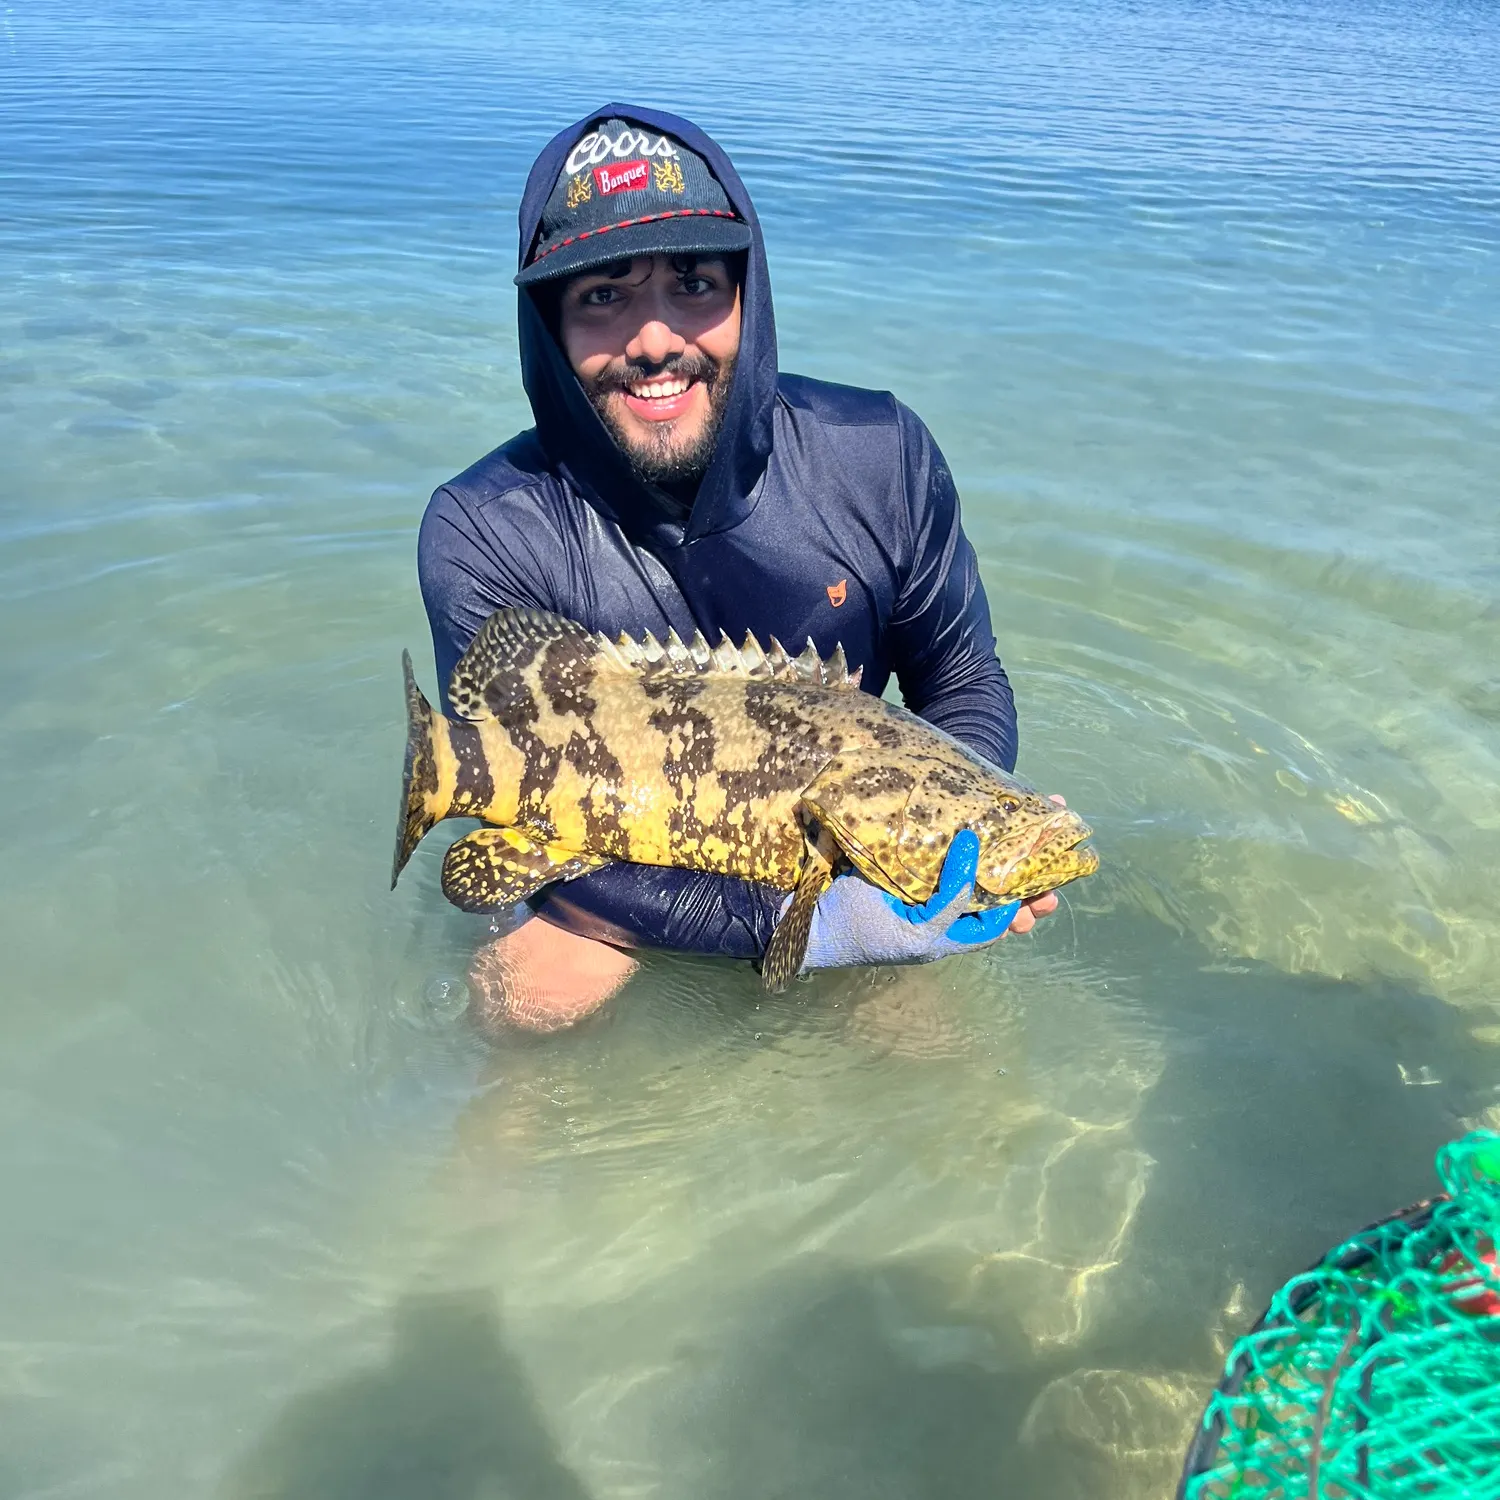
[895,816]
[1027,843]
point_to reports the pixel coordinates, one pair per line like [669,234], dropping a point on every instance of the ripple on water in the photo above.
[1200,309]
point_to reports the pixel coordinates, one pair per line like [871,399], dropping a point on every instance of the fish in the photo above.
[575,751]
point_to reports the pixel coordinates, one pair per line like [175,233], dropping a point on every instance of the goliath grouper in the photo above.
[579,751]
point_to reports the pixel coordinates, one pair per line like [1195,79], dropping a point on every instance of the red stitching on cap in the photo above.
[670,213]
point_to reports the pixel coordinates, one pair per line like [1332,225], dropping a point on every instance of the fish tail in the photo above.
[419,780]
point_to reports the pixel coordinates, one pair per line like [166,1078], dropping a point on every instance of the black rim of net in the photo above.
[1202,1454]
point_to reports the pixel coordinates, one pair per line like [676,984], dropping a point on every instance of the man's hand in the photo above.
[542,978]
[856,923]
[1039,906]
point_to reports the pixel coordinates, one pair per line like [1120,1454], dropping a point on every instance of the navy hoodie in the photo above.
[827,512]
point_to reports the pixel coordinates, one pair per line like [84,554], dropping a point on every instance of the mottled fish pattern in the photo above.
[577,751]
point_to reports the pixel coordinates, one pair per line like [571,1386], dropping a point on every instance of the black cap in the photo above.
[627,191]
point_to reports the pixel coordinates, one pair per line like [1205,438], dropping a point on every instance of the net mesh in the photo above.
[1375,1375]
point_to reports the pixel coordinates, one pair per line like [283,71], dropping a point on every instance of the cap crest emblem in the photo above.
[669,177]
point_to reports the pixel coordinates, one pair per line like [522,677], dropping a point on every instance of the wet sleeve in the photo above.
[468,569]
[645,906]
[943,646]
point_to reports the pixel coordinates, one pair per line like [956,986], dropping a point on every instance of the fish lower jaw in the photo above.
[1027,879]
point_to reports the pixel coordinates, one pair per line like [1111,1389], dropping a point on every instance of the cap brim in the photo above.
[693,234]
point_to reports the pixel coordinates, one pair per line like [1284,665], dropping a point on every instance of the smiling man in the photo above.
[676,479]
[652,340]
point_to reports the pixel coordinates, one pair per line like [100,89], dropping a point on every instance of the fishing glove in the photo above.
[855,922]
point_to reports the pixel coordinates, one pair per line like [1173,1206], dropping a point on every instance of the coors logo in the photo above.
[598,146]
[630,174]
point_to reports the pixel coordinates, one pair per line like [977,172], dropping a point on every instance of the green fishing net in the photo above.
[1376,1374]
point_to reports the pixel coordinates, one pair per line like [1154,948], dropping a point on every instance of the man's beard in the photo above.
[658,459]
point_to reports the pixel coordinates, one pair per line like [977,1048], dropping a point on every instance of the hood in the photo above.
[577,443]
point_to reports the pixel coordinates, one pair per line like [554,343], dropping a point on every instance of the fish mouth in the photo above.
[1061,853]
[1063,832]
[1057,855]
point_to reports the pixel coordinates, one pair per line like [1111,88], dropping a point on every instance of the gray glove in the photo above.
[855,922]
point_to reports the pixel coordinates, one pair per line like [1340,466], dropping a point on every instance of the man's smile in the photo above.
[661,400]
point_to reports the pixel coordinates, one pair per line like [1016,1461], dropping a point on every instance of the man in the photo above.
[676,479]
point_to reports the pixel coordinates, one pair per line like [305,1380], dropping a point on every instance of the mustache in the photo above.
[678,367]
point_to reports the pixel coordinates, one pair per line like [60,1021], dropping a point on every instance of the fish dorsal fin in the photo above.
[726,655]
[809,666]
[753,658]
[678,654]
[697,658]
[509,641]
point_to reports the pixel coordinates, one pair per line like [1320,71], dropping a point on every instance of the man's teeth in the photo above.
[655,390]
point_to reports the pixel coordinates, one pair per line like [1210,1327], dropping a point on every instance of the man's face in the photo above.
[653,342]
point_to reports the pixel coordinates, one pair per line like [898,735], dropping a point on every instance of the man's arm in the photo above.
[943,643]
[465,576]
[652,907]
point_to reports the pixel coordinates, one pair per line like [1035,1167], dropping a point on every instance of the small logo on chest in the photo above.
[838,592]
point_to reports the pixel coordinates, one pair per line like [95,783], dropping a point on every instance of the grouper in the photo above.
[577,750]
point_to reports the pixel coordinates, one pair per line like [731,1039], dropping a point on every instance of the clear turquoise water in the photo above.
[1201,301]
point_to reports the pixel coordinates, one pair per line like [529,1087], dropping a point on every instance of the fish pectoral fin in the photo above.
[495,867]
[788,945]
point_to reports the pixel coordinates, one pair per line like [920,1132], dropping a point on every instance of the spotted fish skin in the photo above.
[579,751]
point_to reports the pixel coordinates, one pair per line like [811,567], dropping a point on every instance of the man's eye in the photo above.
[599,296]
[696,286]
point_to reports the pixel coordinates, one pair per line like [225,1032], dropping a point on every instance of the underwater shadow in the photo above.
[449,1416]
[1292,1110]
[854,1383]
[1280,1124]
[850,1382]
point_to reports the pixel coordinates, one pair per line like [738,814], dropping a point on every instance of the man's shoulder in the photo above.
[841,405]
[515,470]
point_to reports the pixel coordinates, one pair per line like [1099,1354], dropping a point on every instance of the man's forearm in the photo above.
[942,642]
[683,910]
[539,978]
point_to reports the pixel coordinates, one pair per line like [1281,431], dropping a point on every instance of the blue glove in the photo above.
[856,922]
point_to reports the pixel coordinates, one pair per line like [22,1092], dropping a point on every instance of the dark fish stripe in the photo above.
[475,788]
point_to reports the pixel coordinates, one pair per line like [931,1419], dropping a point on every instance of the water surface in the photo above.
[1200,301]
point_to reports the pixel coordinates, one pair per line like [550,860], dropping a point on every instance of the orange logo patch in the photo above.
[838,592]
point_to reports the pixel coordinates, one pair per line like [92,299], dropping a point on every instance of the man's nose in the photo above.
[654,343]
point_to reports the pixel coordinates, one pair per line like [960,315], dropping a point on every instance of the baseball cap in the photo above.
[623,191]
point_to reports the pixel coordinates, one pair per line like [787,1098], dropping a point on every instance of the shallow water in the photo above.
[1201,302]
